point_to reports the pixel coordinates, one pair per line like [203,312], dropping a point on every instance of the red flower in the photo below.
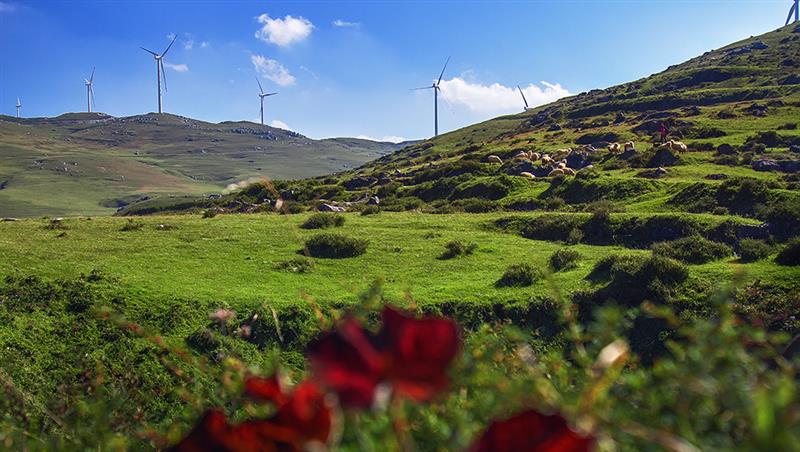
[534,432]
[302,418]
[411,355]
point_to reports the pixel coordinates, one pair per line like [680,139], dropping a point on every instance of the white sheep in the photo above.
[556,172]
[527,174]
[614,147]
[630,146]
[494,159]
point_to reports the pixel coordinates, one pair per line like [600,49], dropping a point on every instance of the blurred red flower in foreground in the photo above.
[534,432]
[303,418]
[409,355]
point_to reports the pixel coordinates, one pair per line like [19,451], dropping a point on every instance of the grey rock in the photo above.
[766,165]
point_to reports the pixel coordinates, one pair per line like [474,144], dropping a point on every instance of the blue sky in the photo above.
[346,68]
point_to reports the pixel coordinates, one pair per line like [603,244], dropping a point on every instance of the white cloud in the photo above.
[497,98]
[176,67]
[386,138]
[204,44]
[345,24]
[189,44]
[278,124]
[171,36]
[283,32]
[6,7]
[272,70]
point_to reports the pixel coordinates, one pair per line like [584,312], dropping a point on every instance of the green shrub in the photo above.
[371,209]
[299,264]
[131,225]
[751,250]
[55,224]
[692,250]
[790,254]
[564,259]
[322,221]
[517,275]
[456,249]
[784,218]
[290,327]
[335,246]
[292,208]
[476,205]
[204,341]
[210,213]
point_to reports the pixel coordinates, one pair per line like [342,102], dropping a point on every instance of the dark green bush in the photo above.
[131,225]
[551,227]
[456,249]
[299,264]
[493,189]
[476,205]
[517,275]
[290,327]
[371,209]
[564,259]
[322,221]
[784,218]
[790,254]
[751,250]
[335,246]
[204,341]
[692,250]
[292,208]
[210,213]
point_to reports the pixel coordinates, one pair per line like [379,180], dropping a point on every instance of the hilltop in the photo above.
[93,163]
[736,108]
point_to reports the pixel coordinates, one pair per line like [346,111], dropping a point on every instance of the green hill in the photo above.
[92,163]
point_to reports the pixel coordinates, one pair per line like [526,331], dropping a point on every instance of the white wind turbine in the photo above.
[261,96]
[19,105]
[89,92]
[523,98]
[160,70]
[435,87]
[794,9]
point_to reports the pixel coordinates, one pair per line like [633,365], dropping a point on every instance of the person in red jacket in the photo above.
[663,132]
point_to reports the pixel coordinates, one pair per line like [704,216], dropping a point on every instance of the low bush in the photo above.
[299,264]
[131,225]
[335,246]
[751,250]
[517,275]
[371,209]
[790,254]
[564,259]
[692,250]
[456,248]
[322,221]
[204,341]
[209,213]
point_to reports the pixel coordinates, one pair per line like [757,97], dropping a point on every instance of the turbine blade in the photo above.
[442,74]
[163,74]
[149,51]
[424,87]
[92,77]
[270,94]
[523,96]
[259,86]
[170,45]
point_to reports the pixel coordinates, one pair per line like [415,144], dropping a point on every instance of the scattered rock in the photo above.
[757,110]
[330,208]
[577,159]
[794,148]
[554,128]
[766,165]
[789,166]
[3,184]
[758,45]
[717,176]
[373,201]
[792,79]
[494,159]
[693,110]
[655,173]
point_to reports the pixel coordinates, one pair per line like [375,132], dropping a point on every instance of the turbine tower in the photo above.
[90,92]
[523,98]
[795,9]
[435,87]
[19,105]
[261,96]
[160,70]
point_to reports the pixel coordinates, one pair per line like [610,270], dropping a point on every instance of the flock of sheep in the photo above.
[558,163]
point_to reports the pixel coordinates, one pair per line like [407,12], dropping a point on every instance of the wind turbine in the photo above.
[435,87]
[160,70]
[261,96]
[19,105]
[794,9]
[523,98]
[90,92]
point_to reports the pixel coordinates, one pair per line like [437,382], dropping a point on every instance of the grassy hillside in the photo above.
[649,298]
[91,163]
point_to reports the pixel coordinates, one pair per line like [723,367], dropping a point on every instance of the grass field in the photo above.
[232,259]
